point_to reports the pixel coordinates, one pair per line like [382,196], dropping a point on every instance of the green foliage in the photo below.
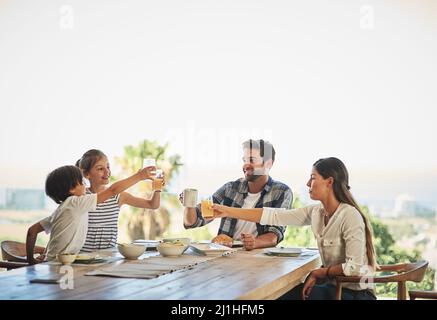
[133,157]
[131,162]
[388,252]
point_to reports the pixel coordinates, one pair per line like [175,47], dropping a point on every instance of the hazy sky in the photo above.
[352,79]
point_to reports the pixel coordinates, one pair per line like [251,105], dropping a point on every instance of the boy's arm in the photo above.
[122,185]
[32,233]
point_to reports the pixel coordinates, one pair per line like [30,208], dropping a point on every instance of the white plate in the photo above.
[284,252]
[210,248]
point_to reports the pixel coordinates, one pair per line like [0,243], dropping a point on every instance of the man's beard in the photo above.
[252,178]
[256,174]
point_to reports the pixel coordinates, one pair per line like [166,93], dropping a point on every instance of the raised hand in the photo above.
[148,173]
[220,211]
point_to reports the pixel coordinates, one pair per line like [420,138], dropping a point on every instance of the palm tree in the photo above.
[147,223]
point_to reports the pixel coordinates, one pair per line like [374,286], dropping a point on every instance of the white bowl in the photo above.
[168,249]
[131,251]
[185,241]
[66,258]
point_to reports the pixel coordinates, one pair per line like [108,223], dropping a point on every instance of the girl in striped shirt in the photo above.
[103,222]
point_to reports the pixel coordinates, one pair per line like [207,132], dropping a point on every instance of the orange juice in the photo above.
[206,208]
[157,184]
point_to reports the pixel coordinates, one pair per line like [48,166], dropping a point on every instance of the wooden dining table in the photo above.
[242,275]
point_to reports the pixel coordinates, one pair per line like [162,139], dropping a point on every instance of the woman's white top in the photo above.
[341,241]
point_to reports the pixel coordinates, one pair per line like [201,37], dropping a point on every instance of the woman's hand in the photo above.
[220,211]
[308,286]
[311,280]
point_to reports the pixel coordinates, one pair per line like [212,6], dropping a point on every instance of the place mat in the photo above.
[151,267]
[92,262]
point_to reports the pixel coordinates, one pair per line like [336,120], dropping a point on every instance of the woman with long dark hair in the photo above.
[343,232]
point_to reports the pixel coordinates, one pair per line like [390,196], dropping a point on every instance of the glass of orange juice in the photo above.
[158,180]
[206,208]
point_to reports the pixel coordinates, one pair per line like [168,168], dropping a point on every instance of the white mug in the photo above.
[189,198]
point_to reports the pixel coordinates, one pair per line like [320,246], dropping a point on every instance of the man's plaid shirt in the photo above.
[274,195]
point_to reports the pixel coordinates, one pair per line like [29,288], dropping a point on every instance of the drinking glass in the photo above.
[206,207]
[158,180]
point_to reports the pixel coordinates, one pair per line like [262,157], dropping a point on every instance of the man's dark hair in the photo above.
[265,148]
[60,181]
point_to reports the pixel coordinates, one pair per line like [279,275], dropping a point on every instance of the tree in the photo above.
[387,252]
[147,223]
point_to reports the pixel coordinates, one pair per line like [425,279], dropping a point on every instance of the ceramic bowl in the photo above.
[131,251]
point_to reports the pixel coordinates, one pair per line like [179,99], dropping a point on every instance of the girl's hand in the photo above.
[163,179]
[147,173]
[219,210]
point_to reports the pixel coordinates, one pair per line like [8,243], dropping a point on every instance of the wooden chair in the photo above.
[14,254]
[404,272]
[414,294]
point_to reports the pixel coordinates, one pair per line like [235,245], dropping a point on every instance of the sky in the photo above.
[351,79]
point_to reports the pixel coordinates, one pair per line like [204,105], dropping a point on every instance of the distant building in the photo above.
[22,199]
[2,198]
[407,206]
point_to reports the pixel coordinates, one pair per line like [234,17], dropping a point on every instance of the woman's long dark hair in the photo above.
[335,168]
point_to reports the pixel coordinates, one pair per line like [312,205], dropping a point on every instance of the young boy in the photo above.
[68,225]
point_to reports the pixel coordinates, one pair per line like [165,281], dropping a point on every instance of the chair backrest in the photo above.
[13,251]
[414,294]
[414,271]
[404,272]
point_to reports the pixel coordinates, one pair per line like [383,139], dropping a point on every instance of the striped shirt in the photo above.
[102,225]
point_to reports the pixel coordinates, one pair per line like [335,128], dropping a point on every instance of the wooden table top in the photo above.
[242,275]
